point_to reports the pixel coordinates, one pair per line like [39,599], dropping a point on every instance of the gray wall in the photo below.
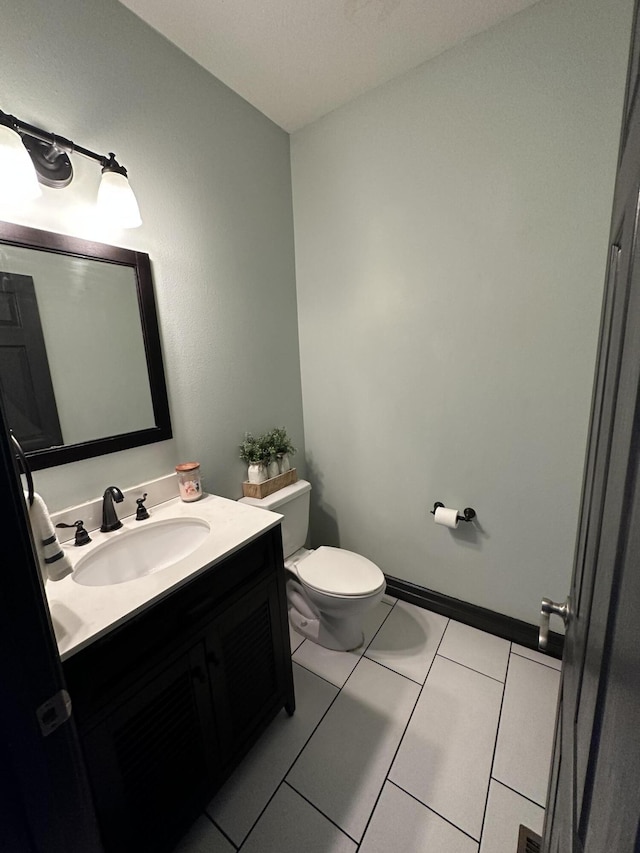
[451,237]
[212,177]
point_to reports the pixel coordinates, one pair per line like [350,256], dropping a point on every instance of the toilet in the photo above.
[328,589]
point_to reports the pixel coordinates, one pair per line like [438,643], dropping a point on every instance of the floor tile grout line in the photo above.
[515,791]
[394,671]
[541,662]
[346,679]
[473,669]
[360,656]
[319,810]
[495,747]
[300,751]
[386,778]
[390,668]
[299,646]
[220,830]
[433,811]
[304,746]
[255,823]
[366,648]
[338,689]
[321,677]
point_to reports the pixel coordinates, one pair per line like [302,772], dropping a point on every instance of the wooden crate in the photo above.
[261,490]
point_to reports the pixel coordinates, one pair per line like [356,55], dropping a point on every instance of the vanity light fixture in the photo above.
[29,154]
[17,176]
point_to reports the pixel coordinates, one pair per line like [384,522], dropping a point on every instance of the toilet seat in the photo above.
[336,572]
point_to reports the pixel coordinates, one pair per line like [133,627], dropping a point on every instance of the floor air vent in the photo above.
[528,841]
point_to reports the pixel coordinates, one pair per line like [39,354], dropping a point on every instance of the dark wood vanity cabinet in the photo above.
[151,756]
[168,703]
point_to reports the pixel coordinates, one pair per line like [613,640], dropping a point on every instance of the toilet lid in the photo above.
[339,572]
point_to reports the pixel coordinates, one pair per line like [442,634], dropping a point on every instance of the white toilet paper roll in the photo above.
[448,517]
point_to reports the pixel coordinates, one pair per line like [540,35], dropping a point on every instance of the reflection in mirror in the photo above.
[80,364]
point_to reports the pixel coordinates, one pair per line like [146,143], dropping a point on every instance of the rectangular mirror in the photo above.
[81,370]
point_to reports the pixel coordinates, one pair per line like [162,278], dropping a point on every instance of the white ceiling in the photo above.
[296,60]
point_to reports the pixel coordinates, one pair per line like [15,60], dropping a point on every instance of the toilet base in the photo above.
[334,622]
[340,635]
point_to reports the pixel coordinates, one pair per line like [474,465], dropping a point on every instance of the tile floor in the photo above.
[431,737]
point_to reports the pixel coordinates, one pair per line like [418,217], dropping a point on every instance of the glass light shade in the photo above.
[18,180]
[117,202]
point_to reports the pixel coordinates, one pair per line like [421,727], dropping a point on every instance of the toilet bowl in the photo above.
[328,589]
[328,592]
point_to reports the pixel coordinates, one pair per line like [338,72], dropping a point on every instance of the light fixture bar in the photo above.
[59,142]
[50,157]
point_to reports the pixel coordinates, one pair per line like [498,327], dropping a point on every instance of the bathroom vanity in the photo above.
[169,699]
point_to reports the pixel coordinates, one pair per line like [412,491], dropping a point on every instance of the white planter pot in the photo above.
[257,472]
[273,469]
[285,464]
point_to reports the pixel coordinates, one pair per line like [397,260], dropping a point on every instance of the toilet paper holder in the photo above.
[467,514]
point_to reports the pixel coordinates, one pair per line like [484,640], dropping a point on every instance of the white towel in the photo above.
[54,563]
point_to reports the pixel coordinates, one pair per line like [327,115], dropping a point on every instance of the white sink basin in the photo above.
[137,553]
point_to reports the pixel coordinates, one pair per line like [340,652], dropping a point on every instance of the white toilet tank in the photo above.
[292,502]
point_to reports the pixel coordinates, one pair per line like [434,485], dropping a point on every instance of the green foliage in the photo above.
[252,449]
[279,442]
[270,445]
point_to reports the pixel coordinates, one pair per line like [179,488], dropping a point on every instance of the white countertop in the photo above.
[81,614]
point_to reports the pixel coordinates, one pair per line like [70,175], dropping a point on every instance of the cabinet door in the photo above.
[246,655]
[150,759]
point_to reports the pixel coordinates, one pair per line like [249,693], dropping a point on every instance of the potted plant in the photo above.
[271,451]
[252,451]
[282,447]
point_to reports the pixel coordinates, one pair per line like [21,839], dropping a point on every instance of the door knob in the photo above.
[546,609]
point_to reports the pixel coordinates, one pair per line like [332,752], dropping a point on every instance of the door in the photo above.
[45,805]
[246,653]
[594,796]
[25,379]
[152,755]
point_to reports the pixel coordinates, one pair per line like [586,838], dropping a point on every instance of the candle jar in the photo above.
[189,481]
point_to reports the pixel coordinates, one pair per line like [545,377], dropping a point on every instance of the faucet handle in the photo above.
[141,512]
[82,537]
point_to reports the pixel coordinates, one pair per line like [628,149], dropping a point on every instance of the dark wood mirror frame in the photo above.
[32,238]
